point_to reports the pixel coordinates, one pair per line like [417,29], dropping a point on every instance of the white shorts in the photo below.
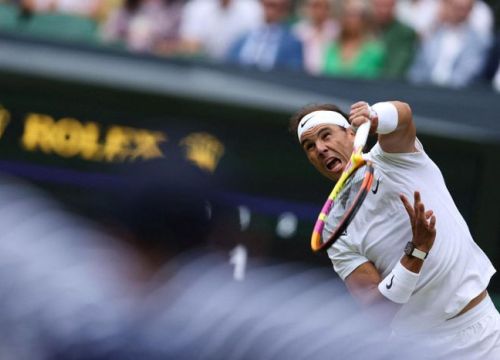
[474,335]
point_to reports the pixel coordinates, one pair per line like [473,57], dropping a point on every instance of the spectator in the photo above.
[107,8]
[453,55]
[357,52]
[400,41]
[492,60]
[316,31]
[418,14]
[424,15]
[482,19]
[210,26]
[272,45]
[143,24]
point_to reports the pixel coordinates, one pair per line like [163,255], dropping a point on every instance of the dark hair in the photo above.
[295,119]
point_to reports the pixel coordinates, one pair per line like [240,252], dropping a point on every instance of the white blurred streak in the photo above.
[63,284]
[280,311]
[287,225]
[245,217]
[238,258]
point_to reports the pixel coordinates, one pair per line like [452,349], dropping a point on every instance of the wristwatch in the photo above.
[411,250]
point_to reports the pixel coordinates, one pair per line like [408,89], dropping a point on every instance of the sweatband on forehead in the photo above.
[321,117]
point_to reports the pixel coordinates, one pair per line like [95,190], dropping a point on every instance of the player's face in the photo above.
[328,148]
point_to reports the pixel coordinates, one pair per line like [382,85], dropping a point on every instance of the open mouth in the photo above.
[334,164]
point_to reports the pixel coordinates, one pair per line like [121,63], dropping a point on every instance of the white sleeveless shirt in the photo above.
[455,271]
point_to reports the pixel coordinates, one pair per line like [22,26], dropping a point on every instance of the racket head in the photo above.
[356,161]
[345,206]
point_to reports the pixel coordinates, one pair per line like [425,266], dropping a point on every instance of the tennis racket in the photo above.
[347,195]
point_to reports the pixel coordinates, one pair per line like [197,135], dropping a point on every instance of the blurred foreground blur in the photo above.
[68,291]
[65,287]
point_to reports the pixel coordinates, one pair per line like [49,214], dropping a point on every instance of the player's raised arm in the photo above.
[391,120]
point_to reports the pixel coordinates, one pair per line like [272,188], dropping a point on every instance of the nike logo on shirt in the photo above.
[388,286]
[376,187]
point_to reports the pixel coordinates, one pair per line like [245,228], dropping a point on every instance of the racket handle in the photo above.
[361,136]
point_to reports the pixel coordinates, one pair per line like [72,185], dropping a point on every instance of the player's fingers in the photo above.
[416,202]
[359,104]
[432,223]
[428,214]
[359,112]
[408,207]
[358,120]
[362,108]
[421,210]
[416,197]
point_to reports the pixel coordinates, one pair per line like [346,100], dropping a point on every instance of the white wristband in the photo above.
[399,284]
[387,117]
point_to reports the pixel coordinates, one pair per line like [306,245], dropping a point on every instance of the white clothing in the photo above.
[261,47]
[217,28]
[422,16]
[482,20]
[455,271]
[479,325]
[453,44]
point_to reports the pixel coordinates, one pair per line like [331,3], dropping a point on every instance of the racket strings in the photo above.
[344,208]
[344,201]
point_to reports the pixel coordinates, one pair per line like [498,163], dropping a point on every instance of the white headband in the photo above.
[320,117]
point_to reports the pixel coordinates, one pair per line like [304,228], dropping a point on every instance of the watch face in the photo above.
[409,248]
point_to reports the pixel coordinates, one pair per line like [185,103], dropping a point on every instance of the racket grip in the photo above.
[362,135]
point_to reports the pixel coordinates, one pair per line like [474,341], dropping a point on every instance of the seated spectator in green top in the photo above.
[400,41]
[316,29]
[357,52]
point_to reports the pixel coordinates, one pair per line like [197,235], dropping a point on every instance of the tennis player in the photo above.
[424,264]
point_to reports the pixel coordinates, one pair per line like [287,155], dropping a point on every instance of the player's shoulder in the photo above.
[387,160]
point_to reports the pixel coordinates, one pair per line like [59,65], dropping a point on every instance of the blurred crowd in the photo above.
[442,42]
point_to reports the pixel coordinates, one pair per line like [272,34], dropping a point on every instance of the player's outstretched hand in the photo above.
[361,113]
[423,223]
